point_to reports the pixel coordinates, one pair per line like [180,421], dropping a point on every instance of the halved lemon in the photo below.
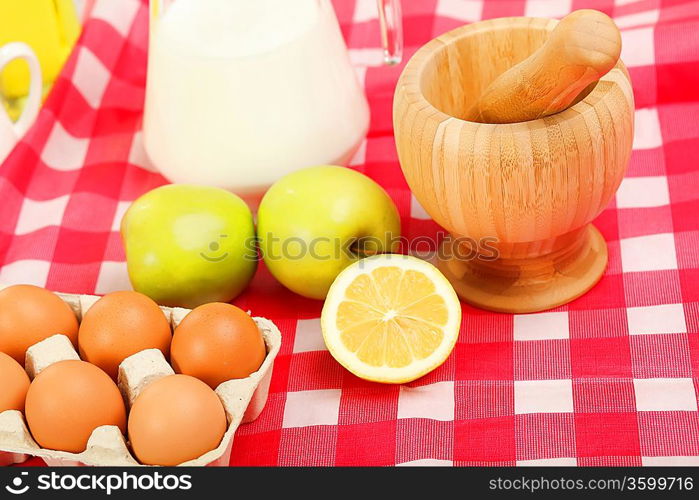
[391,318]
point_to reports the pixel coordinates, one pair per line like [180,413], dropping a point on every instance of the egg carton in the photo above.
[243,399]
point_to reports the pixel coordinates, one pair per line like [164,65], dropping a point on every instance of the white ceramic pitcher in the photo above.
[12,132]
[240,93]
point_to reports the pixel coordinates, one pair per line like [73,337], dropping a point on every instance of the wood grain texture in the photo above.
[533,186]
[583,47]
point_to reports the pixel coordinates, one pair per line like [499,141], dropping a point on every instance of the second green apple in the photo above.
[313,223]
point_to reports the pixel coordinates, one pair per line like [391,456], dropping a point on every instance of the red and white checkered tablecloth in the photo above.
[610,379]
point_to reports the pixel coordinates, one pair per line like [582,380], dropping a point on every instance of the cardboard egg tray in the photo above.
[243,399]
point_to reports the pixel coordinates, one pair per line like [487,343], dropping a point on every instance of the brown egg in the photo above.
[121,324]
[14,382]
[175,419]
[217,342]
[29,314]
[70,399]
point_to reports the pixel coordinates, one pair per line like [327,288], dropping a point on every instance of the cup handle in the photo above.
[20,50]
[391,22]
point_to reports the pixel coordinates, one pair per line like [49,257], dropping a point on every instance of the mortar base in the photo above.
[531,284]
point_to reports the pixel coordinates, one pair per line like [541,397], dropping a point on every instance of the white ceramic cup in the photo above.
[10,133]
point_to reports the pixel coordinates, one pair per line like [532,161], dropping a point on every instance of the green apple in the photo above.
[188,245]
[315,222]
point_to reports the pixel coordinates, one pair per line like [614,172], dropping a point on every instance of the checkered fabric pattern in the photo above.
[610,379]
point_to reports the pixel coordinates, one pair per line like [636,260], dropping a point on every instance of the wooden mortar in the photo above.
[526,191]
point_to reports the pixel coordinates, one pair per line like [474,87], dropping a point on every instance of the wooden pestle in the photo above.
[582,48]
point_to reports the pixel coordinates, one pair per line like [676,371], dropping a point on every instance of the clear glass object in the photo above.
[240,93]
[391,21]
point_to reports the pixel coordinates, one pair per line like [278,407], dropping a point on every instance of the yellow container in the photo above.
[49,27]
